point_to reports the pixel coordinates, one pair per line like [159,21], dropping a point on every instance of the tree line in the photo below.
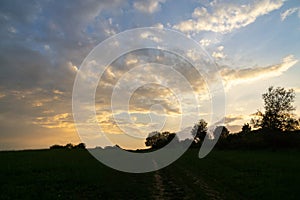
[68,146]
[276,127]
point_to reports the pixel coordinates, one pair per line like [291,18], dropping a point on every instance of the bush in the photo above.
[69,146]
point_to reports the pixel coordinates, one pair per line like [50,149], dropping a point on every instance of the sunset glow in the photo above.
[254,44]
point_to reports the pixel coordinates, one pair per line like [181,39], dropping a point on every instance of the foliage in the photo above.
[158,140]
[222,131]
[246,128]
[69,146]
[56,146]
[199,131]
[261,139]
[278,110]
[80,146]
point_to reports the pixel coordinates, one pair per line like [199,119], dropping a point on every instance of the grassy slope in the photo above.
[74,174]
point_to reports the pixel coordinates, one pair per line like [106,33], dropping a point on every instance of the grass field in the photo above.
[75,174]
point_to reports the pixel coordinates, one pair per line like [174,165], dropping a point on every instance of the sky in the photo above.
[254,44]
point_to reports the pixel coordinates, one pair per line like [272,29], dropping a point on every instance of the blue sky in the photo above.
[43,43]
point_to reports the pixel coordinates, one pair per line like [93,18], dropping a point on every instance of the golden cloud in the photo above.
[235,76]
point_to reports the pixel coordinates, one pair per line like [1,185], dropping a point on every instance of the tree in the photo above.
[80,146]
[57,146]
[152,138]
[158,140]
[222,130]
[278,110]
[199,131]
[246,128]
[69,146]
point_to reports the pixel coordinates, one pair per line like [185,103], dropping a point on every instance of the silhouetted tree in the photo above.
[278,110]
[199,131]
[80,146]
[158,140]
[69,146]
[246,128]
[56,146]
[152,138]
[222,130]
[292,124]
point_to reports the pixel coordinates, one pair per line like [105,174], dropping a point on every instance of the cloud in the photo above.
[159,25]
[131,61]
[22,66]
[220,48]
[232,118]
[72,67]
[148,6]
[226,17]
[12,29]
[42,45]
[289,12]
[234,76]
[21,133]
[234,122]
[56,34]
[218,55]
[205,42]
[153,94]
[145,99]
[150,36]
[63,120]
[27,114]
[297,90]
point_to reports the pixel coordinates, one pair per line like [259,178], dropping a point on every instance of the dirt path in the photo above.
[168,185]
[158,187]
[165,187]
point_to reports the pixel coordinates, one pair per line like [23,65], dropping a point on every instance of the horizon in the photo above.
[254,44]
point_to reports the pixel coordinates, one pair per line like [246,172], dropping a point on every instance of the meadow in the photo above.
[223,174]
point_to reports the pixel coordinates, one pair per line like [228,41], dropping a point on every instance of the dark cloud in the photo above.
[43,40]
[19,10]
[22,67]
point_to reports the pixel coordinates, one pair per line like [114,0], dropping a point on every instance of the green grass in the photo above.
[249,174]
[75,174]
